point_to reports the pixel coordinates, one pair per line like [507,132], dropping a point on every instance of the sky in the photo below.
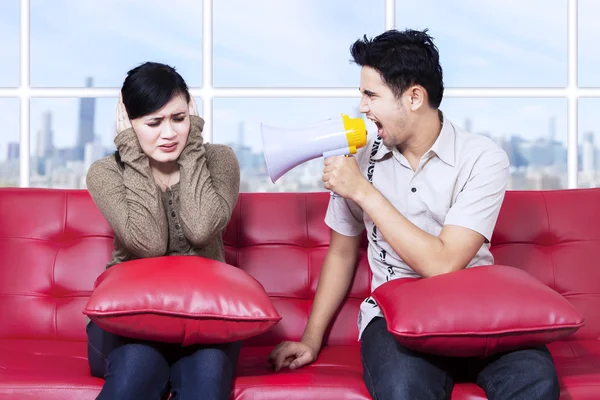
[297,43]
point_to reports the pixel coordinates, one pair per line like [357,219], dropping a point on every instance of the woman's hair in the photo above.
[148,87]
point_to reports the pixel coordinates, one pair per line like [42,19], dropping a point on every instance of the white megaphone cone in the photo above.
[285,149]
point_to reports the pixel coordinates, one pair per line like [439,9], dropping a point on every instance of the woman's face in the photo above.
[164,133]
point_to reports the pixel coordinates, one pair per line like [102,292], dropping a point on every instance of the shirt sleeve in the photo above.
[478,204]
[344,217]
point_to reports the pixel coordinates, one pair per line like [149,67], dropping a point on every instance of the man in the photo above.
[428,194]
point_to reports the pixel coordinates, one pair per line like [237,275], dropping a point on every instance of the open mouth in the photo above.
[378,125]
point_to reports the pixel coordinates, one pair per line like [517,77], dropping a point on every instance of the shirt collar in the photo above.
[444,146]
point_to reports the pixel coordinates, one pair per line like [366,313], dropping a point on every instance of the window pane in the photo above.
[491,43]
[9,142]
[589,150]
[9,37]
[588,38]
[237,124]
[290,43]
[73,39]
[533,132]
[67,136]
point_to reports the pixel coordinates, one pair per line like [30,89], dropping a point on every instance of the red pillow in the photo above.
[180,299]
[475,312]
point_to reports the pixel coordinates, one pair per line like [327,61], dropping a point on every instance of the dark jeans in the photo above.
[393,372]
[144,370]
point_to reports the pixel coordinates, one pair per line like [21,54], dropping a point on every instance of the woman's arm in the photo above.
[129,198]
[209,181]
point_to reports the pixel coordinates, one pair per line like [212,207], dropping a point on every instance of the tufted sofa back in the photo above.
[54,243]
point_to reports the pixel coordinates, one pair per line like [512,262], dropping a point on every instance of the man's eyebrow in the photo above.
[368,92]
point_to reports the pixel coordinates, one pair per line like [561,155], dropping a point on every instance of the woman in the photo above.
[164,192]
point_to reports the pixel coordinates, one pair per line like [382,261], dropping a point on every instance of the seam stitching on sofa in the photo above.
[552,264]
[571,348]
[309,252]
[52,286]
[66,211]
[238,244]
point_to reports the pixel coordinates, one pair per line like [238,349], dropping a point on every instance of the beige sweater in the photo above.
[187,219]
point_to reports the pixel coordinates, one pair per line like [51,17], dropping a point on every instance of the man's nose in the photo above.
[363,107]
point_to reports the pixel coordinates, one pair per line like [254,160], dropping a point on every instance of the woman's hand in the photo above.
[123,122]
[193,107]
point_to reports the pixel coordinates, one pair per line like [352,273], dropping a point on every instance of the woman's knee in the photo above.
[212,361]
[136,371]
[209,370]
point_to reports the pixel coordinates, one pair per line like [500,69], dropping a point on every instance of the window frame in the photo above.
[24,92]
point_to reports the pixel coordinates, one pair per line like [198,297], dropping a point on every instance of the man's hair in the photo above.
[403,59]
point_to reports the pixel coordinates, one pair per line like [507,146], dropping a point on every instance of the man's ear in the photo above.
[417,97]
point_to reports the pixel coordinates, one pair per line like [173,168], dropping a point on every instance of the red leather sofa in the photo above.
[54,243]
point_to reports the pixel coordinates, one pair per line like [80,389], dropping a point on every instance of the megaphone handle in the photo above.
[344,151]
[338,152]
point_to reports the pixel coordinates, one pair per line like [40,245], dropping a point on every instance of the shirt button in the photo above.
[181,238]
[173,214]
[177,226]
[413,190]
[170,202]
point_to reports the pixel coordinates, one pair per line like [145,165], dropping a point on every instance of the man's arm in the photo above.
[334,282]
[468,224]
[426,254]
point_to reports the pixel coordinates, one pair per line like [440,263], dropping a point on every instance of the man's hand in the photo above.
[293,355]
[342,176]
[123,122]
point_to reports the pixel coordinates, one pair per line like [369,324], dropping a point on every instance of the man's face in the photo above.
[380,105]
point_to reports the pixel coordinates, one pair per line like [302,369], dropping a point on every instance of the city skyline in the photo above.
[536,162]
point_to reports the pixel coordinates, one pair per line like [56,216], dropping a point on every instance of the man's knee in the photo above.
[402,374]
[549,387]
[523,374]
[545,378]
[407,386]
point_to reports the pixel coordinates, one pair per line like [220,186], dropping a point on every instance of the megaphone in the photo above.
[285,148]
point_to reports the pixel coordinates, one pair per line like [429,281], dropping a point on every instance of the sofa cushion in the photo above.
[181,299]
[337,374]
[578,368]
[475,312]
[46,370]
[58,370]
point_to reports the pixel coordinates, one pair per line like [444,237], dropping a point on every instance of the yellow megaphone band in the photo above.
[356,132]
